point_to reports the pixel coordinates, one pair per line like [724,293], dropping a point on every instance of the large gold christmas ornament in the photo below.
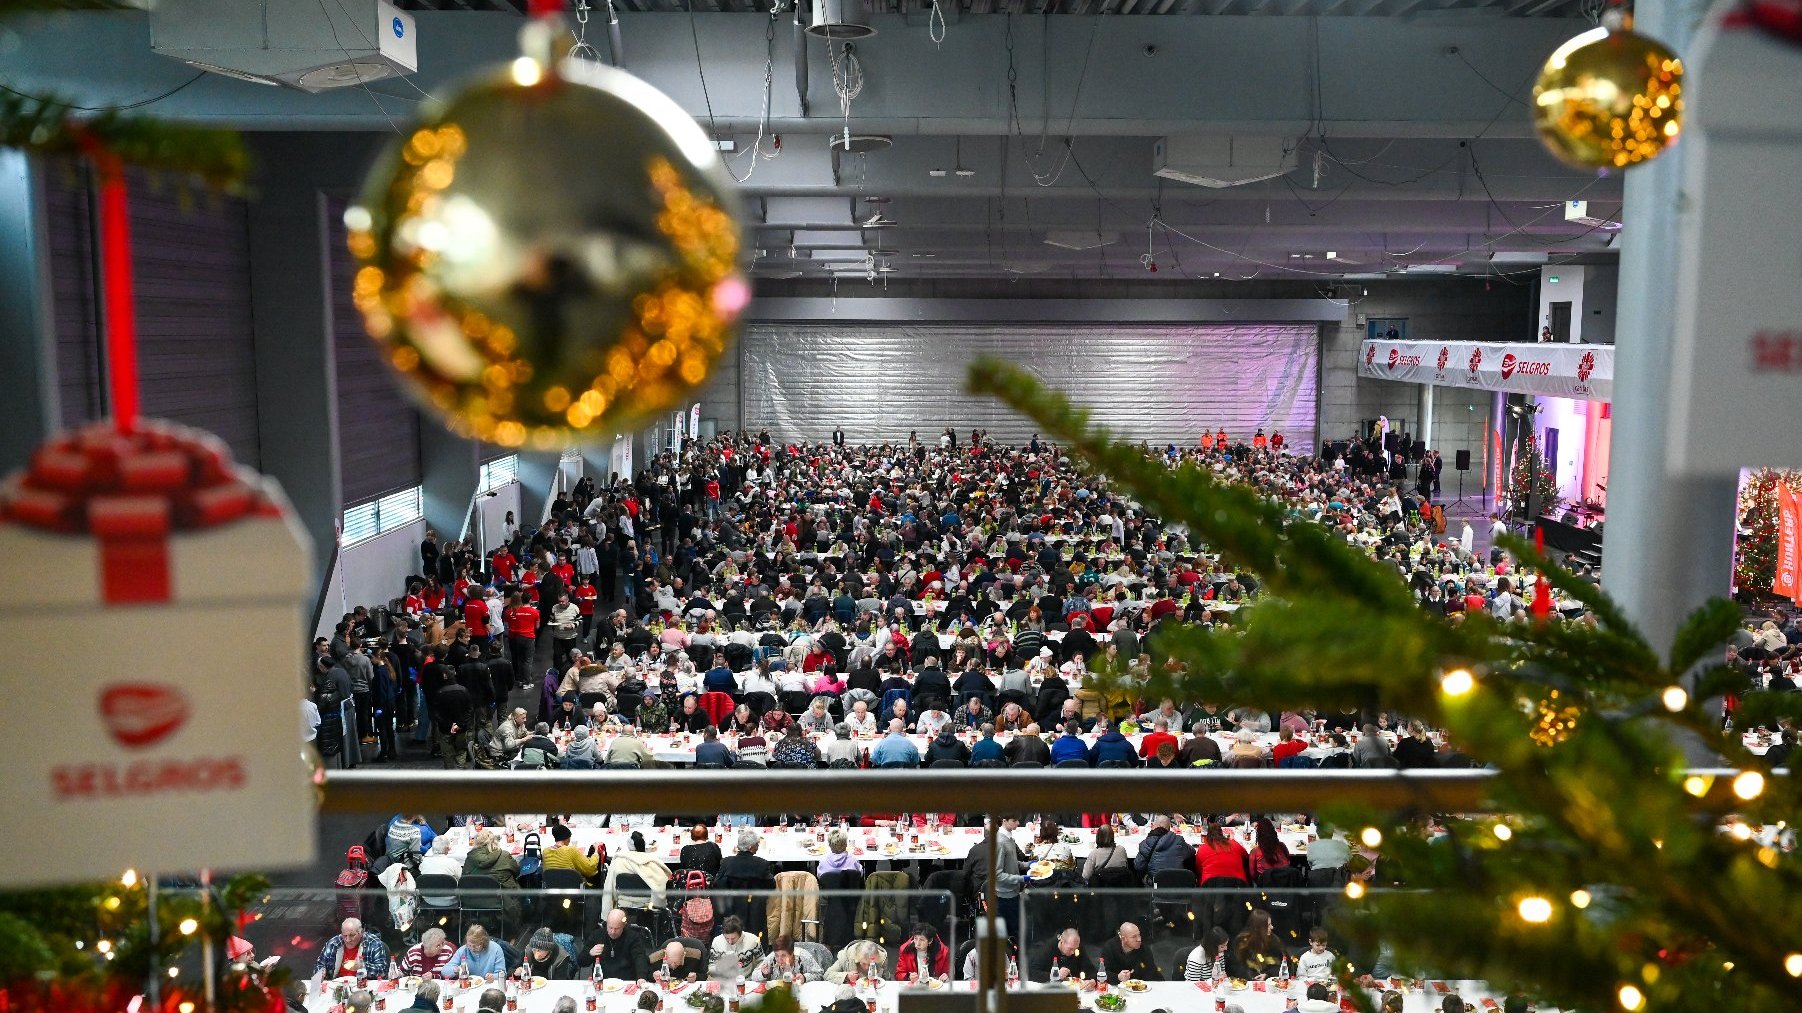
[550,254]
[1609,98]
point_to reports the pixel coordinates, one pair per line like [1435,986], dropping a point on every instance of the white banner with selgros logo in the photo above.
[1578,371]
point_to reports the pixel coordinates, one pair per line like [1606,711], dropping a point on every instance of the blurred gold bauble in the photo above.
[549,255]
[1609,99]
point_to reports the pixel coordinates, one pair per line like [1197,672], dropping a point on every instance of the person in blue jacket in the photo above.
[1070,746]
[1112,745]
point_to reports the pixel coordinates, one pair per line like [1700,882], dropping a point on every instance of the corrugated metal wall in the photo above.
[378,427]
[68,213]
[191,261]
[1153,382]
[196,346]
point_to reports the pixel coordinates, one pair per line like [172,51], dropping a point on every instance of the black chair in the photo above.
[1224,904]
[438,906]
[710,766]
[1072,764]
[480,902]
[620,765]
[760,703]
[738,657]
[565,913]
[936,905]
[838,912]
[1114,765]
[628,704]
[1030,765]
[948,763]
[992,763]
[1015,696]
[633,895]
[1179,964]
[1176,908]
[590,699]
[1278,893]
[796,702]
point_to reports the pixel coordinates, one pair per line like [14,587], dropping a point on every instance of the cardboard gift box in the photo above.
[156,644]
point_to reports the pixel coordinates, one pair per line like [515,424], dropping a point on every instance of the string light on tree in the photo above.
[1553,721]
[1534,910]
[1458,682]
[1748,784]
[1631,998]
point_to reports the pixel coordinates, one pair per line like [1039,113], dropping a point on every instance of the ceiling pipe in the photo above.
[801,58]
[615,46]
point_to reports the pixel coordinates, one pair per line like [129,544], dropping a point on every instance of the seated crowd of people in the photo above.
[768,591]
[1240,917]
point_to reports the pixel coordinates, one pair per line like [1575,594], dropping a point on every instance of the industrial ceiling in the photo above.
[1009,143]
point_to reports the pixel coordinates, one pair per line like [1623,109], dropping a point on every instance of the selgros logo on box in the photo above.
[139,716]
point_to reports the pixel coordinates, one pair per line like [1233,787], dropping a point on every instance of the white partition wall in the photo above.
[1156,382]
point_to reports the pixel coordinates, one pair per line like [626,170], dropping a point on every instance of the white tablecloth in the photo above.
[871,844]
[1183,997]
[680,748]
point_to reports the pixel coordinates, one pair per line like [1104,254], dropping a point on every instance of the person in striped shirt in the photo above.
[429,957]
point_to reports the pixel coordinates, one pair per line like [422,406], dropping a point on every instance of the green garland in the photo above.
[1647,904]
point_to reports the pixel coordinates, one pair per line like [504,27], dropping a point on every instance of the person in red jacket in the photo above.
[563,569]
[584,595]
[1160,734]
[475,618]
[521,617]
[925,956]
[1287,745]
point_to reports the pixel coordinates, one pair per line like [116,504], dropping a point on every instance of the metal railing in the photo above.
[768,792]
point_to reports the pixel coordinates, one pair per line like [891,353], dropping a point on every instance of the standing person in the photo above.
[585,594]
[453,717]
[428,554]
[566,629]
[1008,879]
[521,618]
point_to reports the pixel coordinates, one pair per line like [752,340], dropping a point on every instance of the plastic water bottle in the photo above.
[1283,970]
[1013,972]
[1101,974]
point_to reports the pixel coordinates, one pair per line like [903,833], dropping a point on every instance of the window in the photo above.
[378,516]
[499,473]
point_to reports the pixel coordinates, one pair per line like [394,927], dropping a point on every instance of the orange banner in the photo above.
[1789,544]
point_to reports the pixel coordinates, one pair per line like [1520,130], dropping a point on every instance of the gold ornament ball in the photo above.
[1609,99]
[550,255]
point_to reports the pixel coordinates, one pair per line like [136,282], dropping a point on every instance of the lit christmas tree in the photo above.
[1533,476]
[1755,550]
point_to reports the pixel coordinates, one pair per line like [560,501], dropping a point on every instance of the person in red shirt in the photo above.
[415,600]
[1220,439]
[1207,441]
[506,566]
[432,595]
[565,570]
[1159,734]
[1287,745]
[1259,440]
[521,617]
[528,583]
[475,617]
[1276,440]
[584,595]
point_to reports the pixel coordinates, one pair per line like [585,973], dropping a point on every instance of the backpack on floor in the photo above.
[697,911]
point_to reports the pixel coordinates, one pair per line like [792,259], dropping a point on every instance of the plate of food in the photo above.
[1040,870]
[538,981]
[1280,984]
[410,982]
[1237,984]
[1112,1002]
[1134,985]
[612,984]
[891,848]
[697,999]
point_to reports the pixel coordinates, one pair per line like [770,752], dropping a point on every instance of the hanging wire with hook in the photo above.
[581,50]
[763,113]
[935,24]
[847,81]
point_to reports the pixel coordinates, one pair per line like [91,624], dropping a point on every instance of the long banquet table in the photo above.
[617,997]
[805,844]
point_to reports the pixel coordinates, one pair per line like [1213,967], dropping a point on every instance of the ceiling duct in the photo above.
[842,20]
[1220,161]
[310,46]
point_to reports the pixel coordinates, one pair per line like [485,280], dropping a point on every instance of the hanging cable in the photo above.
[935,24]
[847,81]
[763,112]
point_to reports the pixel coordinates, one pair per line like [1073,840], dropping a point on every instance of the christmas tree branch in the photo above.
[1632,884]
